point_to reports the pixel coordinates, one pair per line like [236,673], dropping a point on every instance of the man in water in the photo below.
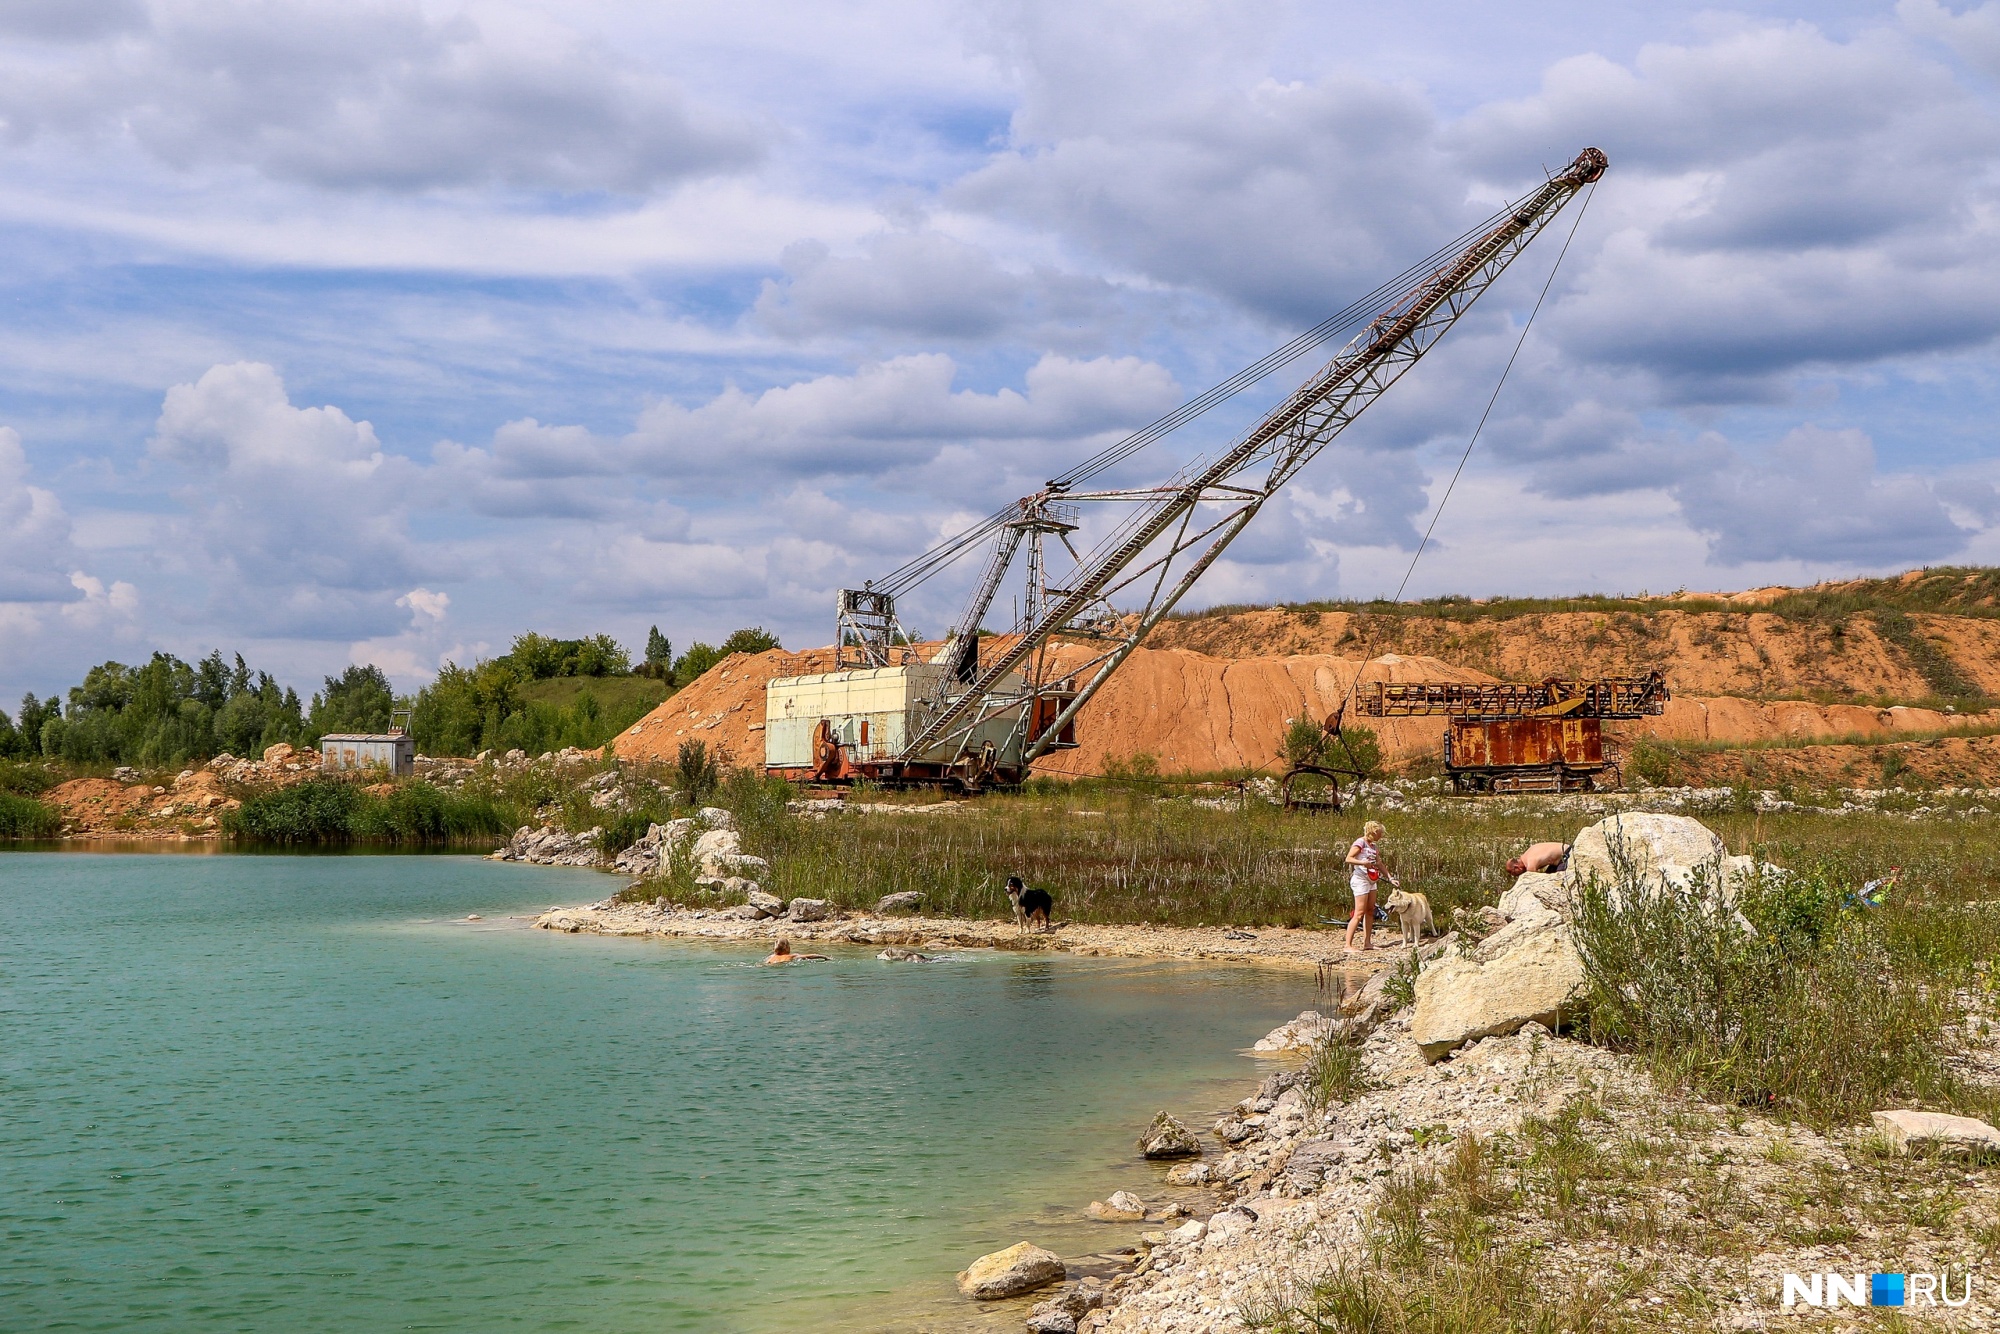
[782,954]
[1539,857]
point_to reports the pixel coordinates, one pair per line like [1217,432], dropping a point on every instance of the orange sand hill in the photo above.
[1194,713]
[1729,721]
[1201,714]
[1745,653]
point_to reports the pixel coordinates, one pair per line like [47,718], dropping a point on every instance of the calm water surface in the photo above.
[290,1093]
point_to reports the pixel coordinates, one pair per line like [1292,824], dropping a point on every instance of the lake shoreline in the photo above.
[1285,947]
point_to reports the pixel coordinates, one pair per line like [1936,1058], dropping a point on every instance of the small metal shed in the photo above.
[393,750]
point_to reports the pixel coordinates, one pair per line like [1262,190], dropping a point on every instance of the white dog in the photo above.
[1412,913]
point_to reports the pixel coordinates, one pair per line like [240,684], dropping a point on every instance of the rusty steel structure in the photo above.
[1524,737]
[1001,704]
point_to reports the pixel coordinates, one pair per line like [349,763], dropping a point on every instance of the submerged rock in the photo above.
[1166,1137]
[1020,1268]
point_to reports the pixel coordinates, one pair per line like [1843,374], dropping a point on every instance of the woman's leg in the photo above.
[1364,917]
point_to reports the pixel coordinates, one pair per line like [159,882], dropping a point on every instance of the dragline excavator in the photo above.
[982,708]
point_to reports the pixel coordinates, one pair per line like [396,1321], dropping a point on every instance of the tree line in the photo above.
[166,712]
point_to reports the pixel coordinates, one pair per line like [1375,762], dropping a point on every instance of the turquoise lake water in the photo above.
[291,1093]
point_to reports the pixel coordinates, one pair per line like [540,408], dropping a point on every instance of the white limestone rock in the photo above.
[1527,971]
[1907,1127]
[1020,1268]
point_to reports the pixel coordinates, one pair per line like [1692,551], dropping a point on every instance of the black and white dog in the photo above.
[1030,905]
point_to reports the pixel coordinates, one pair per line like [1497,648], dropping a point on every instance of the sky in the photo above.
[382,332]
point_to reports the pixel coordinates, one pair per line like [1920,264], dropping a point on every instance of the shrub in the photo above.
[1792,1003]
[1304,742]
[1335,1071]
[320,810]
[696,770]
[24,817]
[325,811]
[1359,749]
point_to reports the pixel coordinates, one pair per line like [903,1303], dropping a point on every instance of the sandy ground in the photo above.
[1276,946]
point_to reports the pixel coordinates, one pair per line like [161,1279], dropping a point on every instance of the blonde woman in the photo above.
[1364,862]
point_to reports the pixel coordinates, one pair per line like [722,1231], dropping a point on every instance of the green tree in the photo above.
[358,700]
[756,639]
[698,659]
[34,713]
[1305,742]
[659,651]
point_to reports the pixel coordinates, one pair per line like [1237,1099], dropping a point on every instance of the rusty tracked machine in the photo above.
[974,713]
[1516,737]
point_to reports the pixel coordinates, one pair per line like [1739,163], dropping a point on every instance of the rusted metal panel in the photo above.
[1578,742]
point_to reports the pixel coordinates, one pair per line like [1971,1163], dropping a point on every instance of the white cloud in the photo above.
[1815,495]
[899,414]
[424,605]
[377,95]
[290,513]
[99,604]
[35,547]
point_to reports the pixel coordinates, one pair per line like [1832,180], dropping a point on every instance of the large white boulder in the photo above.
[1526,971]
[718,843]
[1536,894]
[1670,846]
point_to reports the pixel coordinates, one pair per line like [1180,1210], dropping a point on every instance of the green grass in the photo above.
[615,694]
[1818,1010]
[1931,662]
[1142,853]
[1948,590]
[24,817]
[323,812]
[1444,1255]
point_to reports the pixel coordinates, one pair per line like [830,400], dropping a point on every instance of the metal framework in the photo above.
[1614,697]
[1177,529]
[1511,736]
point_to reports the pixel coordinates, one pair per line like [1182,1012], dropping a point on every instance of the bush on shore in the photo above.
[24,817]
[1803,1005]
[325,811]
